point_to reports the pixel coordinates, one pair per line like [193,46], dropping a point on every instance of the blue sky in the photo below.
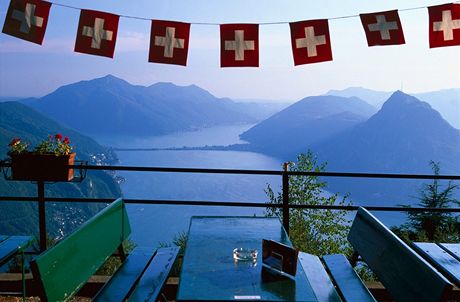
[27,69]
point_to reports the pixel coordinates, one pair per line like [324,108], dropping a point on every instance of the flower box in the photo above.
[42,167]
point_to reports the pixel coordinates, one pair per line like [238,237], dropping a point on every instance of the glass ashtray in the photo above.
[245,254]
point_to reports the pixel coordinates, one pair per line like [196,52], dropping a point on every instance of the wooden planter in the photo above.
[44,167]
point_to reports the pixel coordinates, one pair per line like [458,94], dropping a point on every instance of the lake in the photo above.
[158,223]
[154,224]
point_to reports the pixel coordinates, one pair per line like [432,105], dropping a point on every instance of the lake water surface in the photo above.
[158,223]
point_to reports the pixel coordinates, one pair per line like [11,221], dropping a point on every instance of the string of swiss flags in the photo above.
[239,43]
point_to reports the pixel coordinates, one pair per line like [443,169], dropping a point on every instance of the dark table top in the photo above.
[209,272]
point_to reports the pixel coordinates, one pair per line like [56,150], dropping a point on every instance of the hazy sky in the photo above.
[27,69]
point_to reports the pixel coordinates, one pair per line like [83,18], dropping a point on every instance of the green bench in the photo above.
[405,274]
[61,271]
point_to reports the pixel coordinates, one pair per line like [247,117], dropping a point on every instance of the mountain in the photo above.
[260,109]
[373,97]
[112,106]
[446,102]
[18,120]
[9,98]
[403,137]
[305,123]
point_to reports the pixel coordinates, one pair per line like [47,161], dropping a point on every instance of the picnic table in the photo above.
[445,257]
[209,272]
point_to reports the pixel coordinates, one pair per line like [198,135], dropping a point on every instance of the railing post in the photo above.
[286,197]
[42,214]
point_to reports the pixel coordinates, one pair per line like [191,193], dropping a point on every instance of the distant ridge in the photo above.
[446,102]
[112,106]
[305,123]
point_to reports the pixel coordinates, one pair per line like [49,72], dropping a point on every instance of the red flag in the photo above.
[383,28]
[239,45]
[444,25]
[27,19]
[169,42]
[97,33]
[311,42]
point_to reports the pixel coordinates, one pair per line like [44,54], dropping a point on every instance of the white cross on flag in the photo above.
[169,42]
[444,25]
[239,45]
[27,20]
[311,42]
[97,33]
[383,28]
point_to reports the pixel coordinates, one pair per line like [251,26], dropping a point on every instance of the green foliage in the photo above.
[53,145]
[17,146]
[318,232]
[179,240]
[114,262]
[364,272]
[433,226]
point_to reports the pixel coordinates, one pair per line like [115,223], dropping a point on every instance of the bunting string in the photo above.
[260,23]
[239,42]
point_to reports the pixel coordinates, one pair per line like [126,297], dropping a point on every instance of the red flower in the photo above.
[58,137]
[14,141]
[66,140]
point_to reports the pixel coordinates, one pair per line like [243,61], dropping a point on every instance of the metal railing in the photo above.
[285,206]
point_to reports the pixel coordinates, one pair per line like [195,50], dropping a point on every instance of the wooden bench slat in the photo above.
[349,284]
[130,271]
[440,259]
[12,245]
[318,278]
[404,273]
[65,268]
[3,238]
[452,248]
[154,277]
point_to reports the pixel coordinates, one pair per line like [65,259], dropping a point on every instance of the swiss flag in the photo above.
[27,20]
[97,33]
[311,42]
[444,25]
[169,42]
[239,45]
[383,28]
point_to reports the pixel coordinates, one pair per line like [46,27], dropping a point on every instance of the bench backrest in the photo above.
[406,275]
[64,269]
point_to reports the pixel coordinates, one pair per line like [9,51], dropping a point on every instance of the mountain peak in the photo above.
[170,85]
[163,85]
[400,99]
[109,79]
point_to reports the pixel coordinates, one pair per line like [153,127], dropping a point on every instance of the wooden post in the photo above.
[286,196]
[42,214]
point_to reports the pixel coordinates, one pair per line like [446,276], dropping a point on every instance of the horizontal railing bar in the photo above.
[179,170]
[234,204]
[269,172]
[260,172]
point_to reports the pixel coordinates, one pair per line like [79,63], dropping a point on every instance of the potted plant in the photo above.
[49,160]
